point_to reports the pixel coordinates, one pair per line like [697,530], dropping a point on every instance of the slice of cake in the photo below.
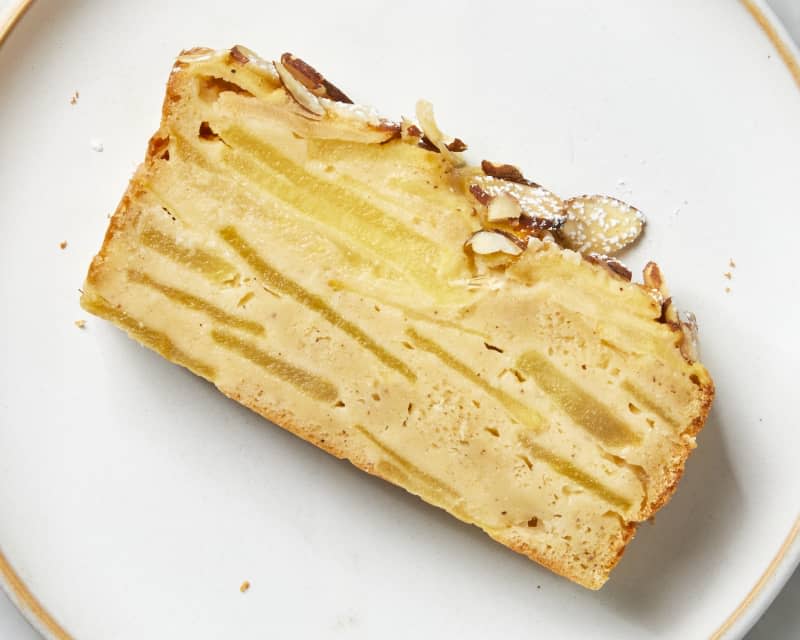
[450,328]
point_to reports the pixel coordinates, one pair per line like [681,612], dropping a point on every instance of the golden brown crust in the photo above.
[677,468]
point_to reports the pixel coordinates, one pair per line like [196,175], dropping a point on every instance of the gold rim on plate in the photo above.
[14,17]
[42,620]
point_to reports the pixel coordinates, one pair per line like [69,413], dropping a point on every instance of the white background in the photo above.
[781,621]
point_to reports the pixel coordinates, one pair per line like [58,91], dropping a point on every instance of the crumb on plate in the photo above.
[74,99]
[63,244]
[81,324]
[245,586]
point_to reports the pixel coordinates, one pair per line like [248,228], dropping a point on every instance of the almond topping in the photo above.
[238,55]
[312,79]
[612,264]
[299,92]
[689,345]
[488,242]
[503,207]
[540,208]
[600,224]
[480,195]
[195,54]
[457,145]
[409,130]
[653,279]
[669,314]
[505,172]
[434,135]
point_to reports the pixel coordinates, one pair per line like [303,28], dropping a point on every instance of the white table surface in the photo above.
[782,619]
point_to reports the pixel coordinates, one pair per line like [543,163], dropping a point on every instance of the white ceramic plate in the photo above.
[134,500]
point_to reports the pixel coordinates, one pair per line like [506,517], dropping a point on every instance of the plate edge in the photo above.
[30,607]
[774,30]
[762,593]
[787,559]
[765,590]
[13,17]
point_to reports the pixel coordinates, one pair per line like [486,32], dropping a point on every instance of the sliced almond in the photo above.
[503,207]
[488,242]
[299,92]
[505,172]
[612,264]
[690,344]
[457,145]
[312,79]
[654,279]
[239,55]
[196,54]
[255,62]
[600,224]
[435,136]
[669,314]
[480,195]
[540,208]
[409,130]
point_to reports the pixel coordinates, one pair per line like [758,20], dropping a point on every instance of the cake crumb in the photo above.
[731,264]
[727,289]
[81,324]
[62,244]
[728,275]
[245,586]
[74,99]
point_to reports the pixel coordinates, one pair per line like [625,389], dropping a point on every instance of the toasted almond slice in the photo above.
[600,224]
[503,206]
[409,130]
[612,264]
[543,208]
[457,145]
[434,134]
[669,313]
[654,279]
[254,61]
[505,172]
[196,54]
[487,242]
[690,344]
[239,55]
[299,92]
[312,79]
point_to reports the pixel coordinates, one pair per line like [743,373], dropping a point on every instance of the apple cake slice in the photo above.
[454,329]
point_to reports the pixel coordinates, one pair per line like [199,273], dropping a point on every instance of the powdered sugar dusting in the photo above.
[358,112]
[536,202]
[601,224]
